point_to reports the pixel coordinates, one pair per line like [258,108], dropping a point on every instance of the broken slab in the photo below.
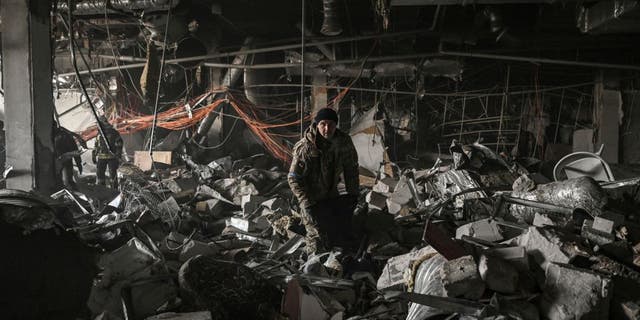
[596,236]
[385,185]
[241,224]
[485,229]
[498,274]
[298,304]
[393,273]
[515,255]
[460,278]
[608,222]
[250,203]
[277,204]
[547,245]
[401,194]
[573,293]
[393,208]
[376,200]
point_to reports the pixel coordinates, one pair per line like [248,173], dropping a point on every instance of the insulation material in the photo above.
[427,281]
[367,137]
[581,193]
[453,182]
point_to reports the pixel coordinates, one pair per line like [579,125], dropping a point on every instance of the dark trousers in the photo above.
[329,224]
[101,167]
[67,174]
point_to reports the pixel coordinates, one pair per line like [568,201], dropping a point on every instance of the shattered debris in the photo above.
[225,241]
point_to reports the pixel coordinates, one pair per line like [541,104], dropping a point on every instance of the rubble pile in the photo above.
[476,238]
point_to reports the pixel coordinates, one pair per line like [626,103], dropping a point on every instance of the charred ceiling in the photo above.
[420,57]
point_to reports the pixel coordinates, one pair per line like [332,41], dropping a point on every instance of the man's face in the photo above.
[326,128]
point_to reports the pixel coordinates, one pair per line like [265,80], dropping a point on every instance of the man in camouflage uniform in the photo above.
[103,157]
[319,159]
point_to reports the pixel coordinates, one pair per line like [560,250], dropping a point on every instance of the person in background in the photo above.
[107,156]
[66,150]
[319,159]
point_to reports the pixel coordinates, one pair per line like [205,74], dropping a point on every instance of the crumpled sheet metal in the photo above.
[26,210]
[580,193]
[427,281]
[455,181]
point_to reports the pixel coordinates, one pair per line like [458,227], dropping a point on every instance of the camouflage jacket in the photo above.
[115,141]
[317,165]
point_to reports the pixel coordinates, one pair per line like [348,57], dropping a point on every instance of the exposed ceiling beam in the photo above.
[400,3]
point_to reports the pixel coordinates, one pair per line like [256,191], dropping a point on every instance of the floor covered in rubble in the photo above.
[497,141]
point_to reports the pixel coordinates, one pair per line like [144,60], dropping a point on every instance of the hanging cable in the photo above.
[155,107]
[82,86]
[233,126]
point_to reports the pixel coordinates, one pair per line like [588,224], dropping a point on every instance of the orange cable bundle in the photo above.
[179,118]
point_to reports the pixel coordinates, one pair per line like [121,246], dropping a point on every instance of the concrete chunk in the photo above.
[393,208]
[460,278]
[498,274]
[548,245]
[596,236]
[250,203]
[607,222]
[385,185]
[376,200]
[276,205]
[240,223]
[515,255]
[485,229]
[573,293]
[393,272]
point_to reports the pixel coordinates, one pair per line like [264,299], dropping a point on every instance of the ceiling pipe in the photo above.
[608,16]
[331,25]
[95,7]
[538,60]
[323,48]
[230,78]
[263,50]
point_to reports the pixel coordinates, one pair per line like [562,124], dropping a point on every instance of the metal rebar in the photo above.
[555,136]
[538,60]
[502,105]
[268,49]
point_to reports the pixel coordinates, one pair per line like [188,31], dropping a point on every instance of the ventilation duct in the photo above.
[331,25]
[95,7]
[611,16]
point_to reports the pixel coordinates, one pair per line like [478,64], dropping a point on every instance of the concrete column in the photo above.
[608,106]
[26,51]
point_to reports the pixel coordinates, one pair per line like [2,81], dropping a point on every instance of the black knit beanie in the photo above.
[326,114]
